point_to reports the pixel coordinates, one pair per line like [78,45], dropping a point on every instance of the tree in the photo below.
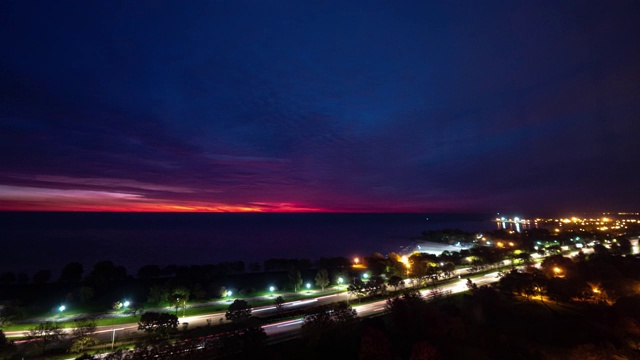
[448,269]
[374,345]
[72,272]
[149,272]
[557,266]
[322,278]
[334,319]
[84,293]
[625,245]
[79,345]
[103,272]
[423,350]
[295,278]
[158,294]
[471,286]
[8,278]
[179,299]
[45,333]
[160,324]
[9,311]
[279,301]
[42,277]
[238,311]
[357,289]
[395,281]
[83,327]
[375,286]
[7,348]
[377,264]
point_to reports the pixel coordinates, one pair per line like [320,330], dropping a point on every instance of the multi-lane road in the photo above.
[281,328]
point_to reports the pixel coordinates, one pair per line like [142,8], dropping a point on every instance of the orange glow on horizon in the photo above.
[33,199]
[152,207]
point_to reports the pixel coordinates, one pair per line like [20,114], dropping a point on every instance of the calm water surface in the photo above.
[32,241]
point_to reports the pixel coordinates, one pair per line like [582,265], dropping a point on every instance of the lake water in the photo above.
[33,241]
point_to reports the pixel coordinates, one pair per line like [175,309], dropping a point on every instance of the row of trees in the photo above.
[600,277]
[74,272]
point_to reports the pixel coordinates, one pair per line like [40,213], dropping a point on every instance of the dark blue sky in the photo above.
[528,107]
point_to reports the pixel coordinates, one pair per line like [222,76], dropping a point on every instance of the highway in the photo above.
[106,334]
[289,327]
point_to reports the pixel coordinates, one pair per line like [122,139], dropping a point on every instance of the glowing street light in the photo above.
[558,272]
[229,293]
[308,286]
[62,308]
[271,289]
[340,280]
[126,303]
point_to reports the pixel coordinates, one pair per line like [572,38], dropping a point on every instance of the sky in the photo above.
[340,106]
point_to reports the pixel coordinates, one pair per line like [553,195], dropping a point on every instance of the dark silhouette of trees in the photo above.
[71,273]
[395,281]
[374,345]
[9,312]
[377,264]
[357,289]
[286,264]
[7,348]
[179,298]
[327,322]
[423,350]
[149,272]
[279,302]
[104,272]
[448,269]
[158,294]
[83,335]
[8,278]
[45,334]
[159,325]
[295,278]
[42,277]
[558,266]
[334,263]
[376,286]
[238,311]
[322,278]
[84,294]
[625,245]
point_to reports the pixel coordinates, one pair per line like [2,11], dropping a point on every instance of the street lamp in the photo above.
[271,289]
[126,303]
[62,308]
[308,286]
[340,280]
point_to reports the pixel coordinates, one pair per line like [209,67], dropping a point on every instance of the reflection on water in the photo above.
[516,224]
